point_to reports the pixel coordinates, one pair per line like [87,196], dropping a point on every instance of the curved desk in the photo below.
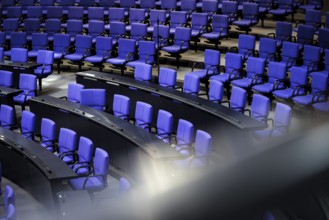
[131,149]
[33,168]
[225,125]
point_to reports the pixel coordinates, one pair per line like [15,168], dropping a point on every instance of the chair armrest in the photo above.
[88,177]
[297,89]
[90,168]
[255,79]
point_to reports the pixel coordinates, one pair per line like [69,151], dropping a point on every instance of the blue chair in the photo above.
[146,54]
[74,28]
[7,116]
[94,14]
[74,92]
[55,12]
[116,14]
[28,85]
[164,125]
[177,19]
[39,42]
[238,99]
[311,58]
[181,43]
[95,29]
[10,25]
[201,152]
[210,7]
[289,54]
[6,78]
[232,70]
[83,45]
[319,87]
[156,15]
[52,26]
[184,137]
[276,77]
[33,11]
[191,84]
[126,51]
[305,35]
[187,5]
[117,31]
[321,107]
[98,180]
[74,13]
[143,72]
[83,158]
[168,5]
[67,145]
[220,26]
[31,25]
[325,71]
[161,36]
[260,108]
[167,77]
[104,49]
[45,4]
[267,49]
[255,72]
[18,55]
[28,124]
[210,65]
[45,59]
[198,26]
[61,46]
[138,32]
[17,40]
[136,15]
[312,4]
[250,14]
[246,46]
[283,32]
[94,98]
[14,12]
[216,91]
[323,39]
[280,123]
[312,18]
[143,115]
[48,134]
[230,8]
[298,82]
[127,5]
[284,8]
[121,106]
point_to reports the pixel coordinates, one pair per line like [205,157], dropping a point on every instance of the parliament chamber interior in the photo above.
[164,109]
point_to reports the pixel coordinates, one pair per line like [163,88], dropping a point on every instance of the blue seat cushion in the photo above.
[81,171]
[305,100]
[214,35]
[95,59]
[175,49]
[116,61]
[74,57]
[244,23]
[322,106]
[264,88]
[94,183]
[20,98]
[46,72]
[243,83]
[223,78]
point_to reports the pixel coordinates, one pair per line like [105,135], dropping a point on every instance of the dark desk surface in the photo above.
[51,166]
[234,118]
[149,143]
[9,91]
[8,63]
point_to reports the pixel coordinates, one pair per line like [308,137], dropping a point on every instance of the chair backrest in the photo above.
[169,4]
[255,66]
[285,4]
[48,130]
[260,107]
[74,12]
[233,61]
[216,91]
[323,38]
[18,39]
[165,122]
[74,92]
[19,55]
[305,34]
[74,27]
[138,31]
[143,72]
[164,34]
[143,114]
[33,11]
[203,146]
[28,83]
[191,84]
[67,140]
[188,5]
[14,12]
[82,42]
[167,77]
[282,118]
[311,55]
[276,71]
[229,7]
[146,51]
[10,24]
[2,39]
[45,57]
[199,21]
[116,14]
[9,197]
[127,3]
[101,164]
[238,99]
[148,4]
[136,15]
[182,34]
[326,60]
[177,18]
[117,29]
[39,41]
[283,31]
[250,11]
[289,51]
[54,12]
[7,115]
[6,78]
[185,132]
[319,83]
[220,23]
[96,28]
[11,212]
[61,41]
[209,6]
[104,45]
[126,46]
[52,26]
[1,53]
[246,43]
[95,13]
[157,14]
[121,106]
[28,124]
[211,58]
[106,3]
[95,98]
[85,150]
[31,25]
[267,48]
[298,77]
[313,18]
